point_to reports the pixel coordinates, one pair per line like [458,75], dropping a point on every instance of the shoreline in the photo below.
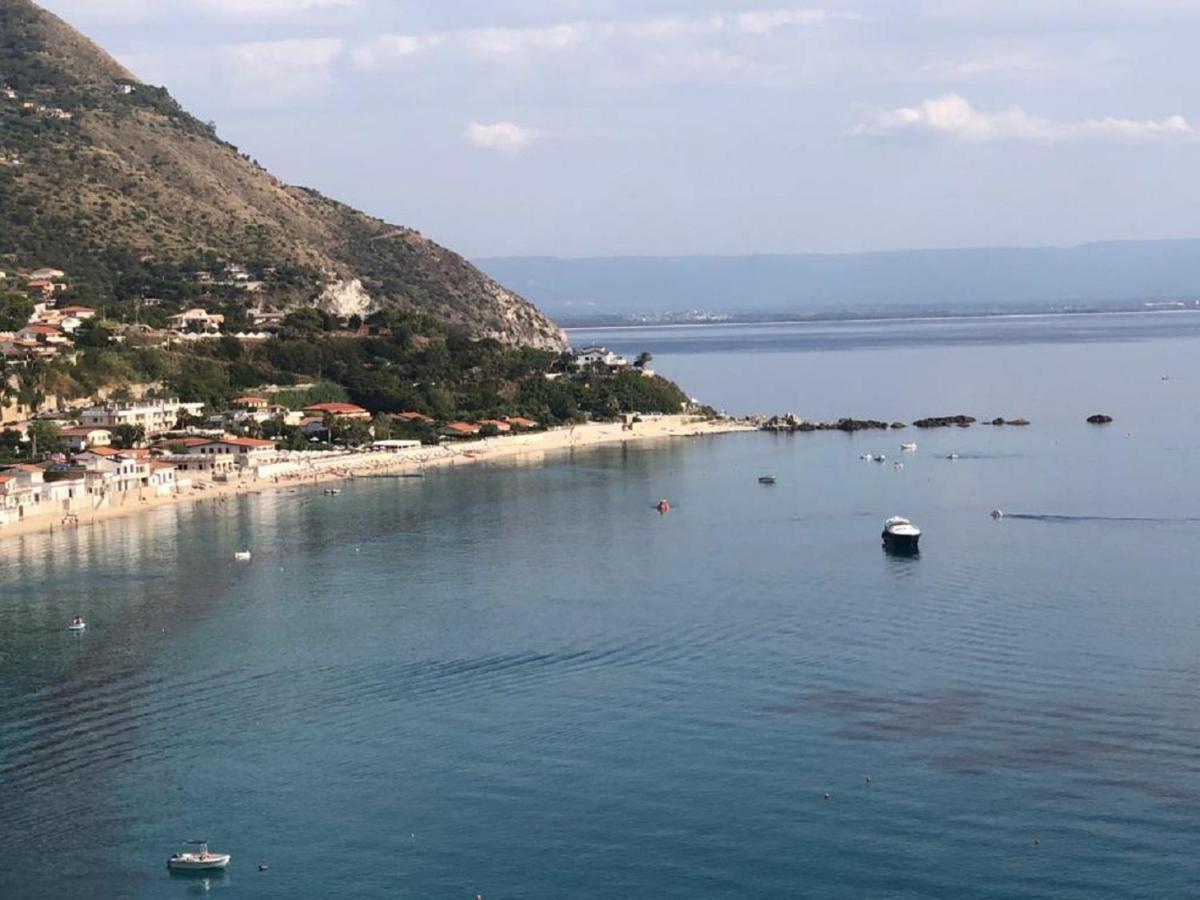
[366,465]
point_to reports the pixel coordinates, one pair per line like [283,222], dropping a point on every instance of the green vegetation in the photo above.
[410,362]
[15,311]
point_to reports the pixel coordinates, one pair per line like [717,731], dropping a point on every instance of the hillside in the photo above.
[1116,274]
[110,180]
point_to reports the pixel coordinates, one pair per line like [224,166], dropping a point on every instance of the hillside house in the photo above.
[47,275]
[590,357]
[82,437]
[154,416]
[338,411]
[196,321]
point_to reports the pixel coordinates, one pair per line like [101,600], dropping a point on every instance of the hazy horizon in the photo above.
[593,128]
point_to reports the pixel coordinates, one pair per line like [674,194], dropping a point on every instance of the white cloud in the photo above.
[271,73]
[505,136]
[225,10]
[952,116]
[392,48]
[521,45]
[517,43]
[766,21]
[269,9]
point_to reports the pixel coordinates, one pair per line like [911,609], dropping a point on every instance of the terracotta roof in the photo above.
[39,328]
[103,451]
[246,401]
[463,428]
[342,409]
[81,430]
[412,417]
[500,426]
[522,422]
[251,443]
[186,442]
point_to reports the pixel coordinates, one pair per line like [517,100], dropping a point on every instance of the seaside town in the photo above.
[120,452]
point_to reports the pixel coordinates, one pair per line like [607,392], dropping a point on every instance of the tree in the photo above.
[45,438]
[15,311]
[129,437]
[643,360]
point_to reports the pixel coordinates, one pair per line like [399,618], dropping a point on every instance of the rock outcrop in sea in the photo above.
[944,422]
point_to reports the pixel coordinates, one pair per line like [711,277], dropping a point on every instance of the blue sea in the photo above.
[521,681]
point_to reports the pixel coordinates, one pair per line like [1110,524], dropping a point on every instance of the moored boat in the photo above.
[901,535]
[242,555]
[766,479]
[196,857]
[77,624]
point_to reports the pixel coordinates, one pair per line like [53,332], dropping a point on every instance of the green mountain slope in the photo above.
[112,181]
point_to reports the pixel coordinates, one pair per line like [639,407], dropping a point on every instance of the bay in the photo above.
[522,681]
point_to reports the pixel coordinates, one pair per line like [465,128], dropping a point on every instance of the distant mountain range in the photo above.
[1108,275]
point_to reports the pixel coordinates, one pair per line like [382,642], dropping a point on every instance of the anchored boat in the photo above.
[196,857]
[901,535]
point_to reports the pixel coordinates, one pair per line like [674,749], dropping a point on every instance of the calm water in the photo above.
[523,682]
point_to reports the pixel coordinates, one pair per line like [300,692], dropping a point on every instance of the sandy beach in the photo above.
[320,469]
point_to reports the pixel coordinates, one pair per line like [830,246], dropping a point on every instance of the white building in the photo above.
[246,451]
[124,471]
[81,437]
[196,320]
[591,356]
[155,416]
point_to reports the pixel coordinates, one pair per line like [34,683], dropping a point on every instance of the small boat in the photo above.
[242,555]
[663,506]
[953,456]
[333,492]
[909,448]
[997,514]
[901,535]
[766,479]
[879,458]
[77,624]
[196,857]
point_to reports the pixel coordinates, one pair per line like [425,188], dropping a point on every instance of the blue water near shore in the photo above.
[521,681]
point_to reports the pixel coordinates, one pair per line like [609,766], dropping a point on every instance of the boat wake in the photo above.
[1068,520]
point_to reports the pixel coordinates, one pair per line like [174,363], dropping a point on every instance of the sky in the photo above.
[664,127]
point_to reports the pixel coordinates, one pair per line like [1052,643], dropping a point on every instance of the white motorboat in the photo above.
[909,448]
[77,625]
[242,555]
[195,857]
[901,535]
[333,492]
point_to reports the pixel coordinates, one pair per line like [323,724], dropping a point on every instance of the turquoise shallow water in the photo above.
[523,682]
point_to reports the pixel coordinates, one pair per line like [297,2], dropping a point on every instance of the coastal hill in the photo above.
[1109,275]
[111,181]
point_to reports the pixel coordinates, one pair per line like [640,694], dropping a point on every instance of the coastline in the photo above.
[360,465]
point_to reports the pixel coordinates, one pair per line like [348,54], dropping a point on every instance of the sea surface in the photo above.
[521,681]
